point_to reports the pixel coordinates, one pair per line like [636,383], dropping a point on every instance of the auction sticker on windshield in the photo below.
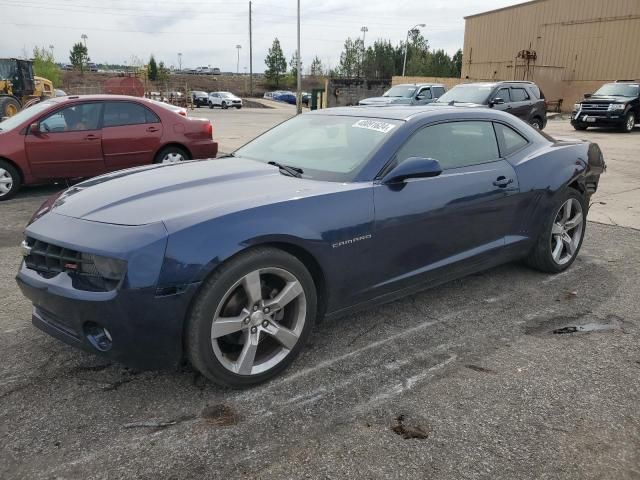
[376,125]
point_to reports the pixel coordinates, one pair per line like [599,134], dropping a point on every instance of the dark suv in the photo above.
[612,105]
[522,99]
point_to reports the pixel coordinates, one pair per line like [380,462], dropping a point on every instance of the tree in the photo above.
[45,66]
[457,64]
[380,60]
[294,66]
[317,68]
[163,72]
[79,56]
[350,58]
[276,63]
[152,69]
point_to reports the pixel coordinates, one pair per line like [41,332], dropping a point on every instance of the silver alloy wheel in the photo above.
[6,182]
[566,231]
[173,157]
[631,122]
[259,321]
[536,124]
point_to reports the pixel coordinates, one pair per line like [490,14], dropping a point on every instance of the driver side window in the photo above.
[453,144]
[503,93]
[425,93]
[76,118]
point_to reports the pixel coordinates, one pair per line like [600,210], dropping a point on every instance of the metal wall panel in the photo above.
[587,39]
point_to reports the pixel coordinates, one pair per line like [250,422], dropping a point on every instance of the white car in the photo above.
[224,100]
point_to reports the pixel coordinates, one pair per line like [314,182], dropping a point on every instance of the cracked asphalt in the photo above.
[472,372]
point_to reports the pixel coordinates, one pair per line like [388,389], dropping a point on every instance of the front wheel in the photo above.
[580,128]
[252,318]
[629,122]
[561,237]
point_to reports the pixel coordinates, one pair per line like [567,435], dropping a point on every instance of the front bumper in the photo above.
[599,119]
[144,319]
[145,328]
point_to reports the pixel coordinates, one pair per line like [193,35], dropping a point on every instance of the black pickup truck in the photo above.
[612,105]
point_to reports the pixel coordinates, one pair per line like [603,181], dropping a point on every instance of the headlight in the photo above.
[577,107]
[616,106]
[108,268]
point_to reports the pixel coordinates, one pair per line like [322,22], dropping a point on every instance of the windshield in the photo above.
[20,117]
[325,147]
[618,90]
[467,94]
[404,91]
[226,94]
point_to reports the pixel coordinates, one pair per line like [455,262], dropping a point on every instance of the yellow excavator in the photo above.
[19,88]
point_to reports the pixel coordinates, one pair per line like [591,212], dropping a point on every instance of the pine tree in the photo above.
[276,63]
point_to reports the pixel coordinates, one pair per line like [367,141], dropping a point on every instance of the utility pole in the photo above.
[250,55]
[298,70]
[180,62]
[238,47]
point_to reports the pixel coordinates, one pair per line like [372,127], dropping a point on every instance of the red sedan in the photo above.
[84,136]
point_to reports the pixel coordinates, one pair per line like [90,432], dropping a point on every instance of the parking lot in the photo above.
[506,374]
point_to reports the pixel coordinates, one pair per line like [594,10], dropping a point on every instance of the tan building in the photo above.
[568,47]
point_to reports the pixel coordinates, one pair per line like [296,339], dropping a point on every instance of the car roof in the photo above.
[494,84]
[418,85]
[407,112]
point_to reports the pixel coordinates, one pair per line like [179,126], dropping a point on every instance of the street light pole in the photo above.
[52,56]
[298,69]
[179,61]
[250,55]
[238,47]
[406,45]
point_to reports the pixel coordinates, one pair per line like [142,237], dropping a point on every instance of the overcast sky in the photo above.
[207,31]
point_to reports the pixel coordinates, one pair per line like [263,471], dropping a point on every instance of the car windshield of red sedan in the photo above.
[325,147]
[24,115]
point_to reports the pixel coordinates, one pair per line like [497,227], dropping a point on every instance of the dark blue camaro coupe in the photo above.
[230,262]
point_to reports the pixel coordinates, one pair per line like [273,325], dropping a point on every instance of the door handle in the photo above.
[503,182]
[92,137]
[152,129]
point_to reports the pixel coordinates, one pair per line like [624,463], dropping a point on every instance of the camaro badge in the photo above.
[351,240]
[25,249]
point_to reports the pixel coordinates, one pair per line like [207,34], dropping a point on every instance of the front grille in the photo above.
[595,107]
[49,260]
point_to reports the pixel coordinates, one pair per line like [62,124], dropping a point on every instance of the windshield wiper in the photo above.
[293,171]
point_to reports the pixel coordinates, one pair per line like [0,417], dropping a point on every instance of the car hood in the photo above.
[606,99]
[161,193]
[385,101]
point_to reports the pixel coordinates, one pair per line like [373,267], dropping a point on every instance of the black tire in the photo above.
[536,123]
[540,256]
[200,351]
[239,107]
[9,172]
[579,127]
[9,106]
[629,122]
[172,149]
[224,105]
[211,106]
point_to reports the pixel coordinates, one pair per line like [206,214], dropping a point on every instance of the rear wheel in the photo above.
[252,318]
[210,105]
[9,180]
[629,122]
[172,154]
[536,123]
[224,105]
[561,237]
[9,106]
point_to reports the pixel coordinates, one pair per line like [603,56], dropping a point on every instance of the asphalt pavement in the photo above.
[507,374]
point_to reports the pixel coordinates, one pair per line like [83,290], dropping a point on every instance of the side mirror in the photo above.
[435,99]
[34,128]
[587,95]
[497,101]
[413,167]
